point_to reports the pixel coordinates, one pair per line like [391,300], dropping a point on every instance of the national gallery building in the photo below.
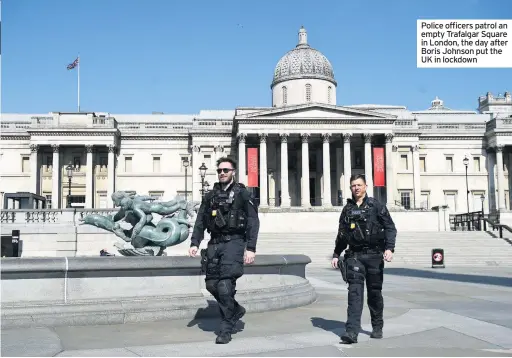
[298,152]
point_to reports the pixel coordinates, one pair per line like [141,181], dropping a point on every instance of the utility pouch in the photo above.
[220,222]
[204,260]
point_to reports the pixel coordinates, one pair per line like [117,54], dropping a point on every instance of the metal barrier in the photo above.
[473,221]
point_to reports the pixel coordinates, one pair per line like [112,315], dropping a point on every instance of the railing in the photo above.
[473,221]
[493,221]
[49,216]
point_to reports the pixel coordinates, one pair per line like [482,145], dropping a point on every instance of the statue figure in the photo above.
[145,238]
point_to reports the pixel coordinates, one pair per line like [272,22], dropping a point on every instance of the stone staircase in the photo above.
[461,248]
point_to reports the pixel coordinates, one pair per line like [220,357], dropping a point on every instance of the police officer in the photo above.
[366,227]
[228,212]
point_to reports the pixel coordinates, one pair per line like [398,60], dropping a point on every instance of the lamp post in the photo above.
[482,199]
[69,171]
[202,171]
[186,163]
[466,164]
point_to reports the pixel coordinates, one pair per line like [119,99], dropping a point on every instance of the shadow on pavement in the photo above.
[208,319]
[336,327]
[439,275]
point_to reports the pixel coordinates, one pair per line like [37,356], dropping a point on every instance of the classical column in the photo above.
[368,162]
[416,176]
[242,177]
[285,195]
[34,172]
[305,194]
[491,175]
[195,174]
[347,167]
[111,179]
[219,149]
[263,170]
[56,192]
[390,190]
[89,181]
[501,178]
[326,197]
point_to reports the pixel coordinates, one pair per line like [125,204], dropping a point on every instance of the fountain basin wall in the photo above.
[111,290]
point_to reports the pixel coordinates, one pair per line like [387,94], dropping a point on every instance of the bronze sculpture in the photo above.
[145,238]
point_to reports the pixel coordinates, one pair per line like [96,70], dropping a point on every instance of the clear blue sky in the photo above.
[139,56]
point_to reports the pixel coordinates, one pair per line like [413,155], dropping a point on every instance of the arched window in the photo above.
[308,93]
[329,90]
[285,95]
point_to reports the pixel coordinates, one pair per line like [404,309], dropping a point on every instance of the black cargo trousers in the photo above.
[225,265]
[364,265]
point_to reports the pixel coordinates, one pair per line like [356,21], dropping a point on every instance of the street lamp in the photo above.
[482,199]
[186,163]
[69,170]
[466,164]
[202,171]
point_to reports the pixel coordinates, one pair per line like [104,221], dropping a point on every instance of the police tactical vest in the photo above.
[363,226]
[225,214]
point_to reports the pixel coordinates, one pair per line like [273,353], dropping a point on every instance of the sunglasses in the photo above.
[223,170]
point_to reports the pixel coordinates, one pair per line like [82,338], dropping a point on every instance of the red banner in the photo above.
[252,167]
[379,167]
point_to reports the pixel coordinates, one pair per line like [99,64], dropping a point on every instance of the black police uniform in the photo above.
[368,230]
[231,218]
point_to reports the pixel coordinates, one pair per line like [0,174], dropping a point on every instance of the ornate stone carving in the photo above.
[34,148]
[326,137]
[415,148]
[89,148]
[55,148]
[111,148]
[368,137]
[347,137]
[242,137]
[284,137]
[499,148]
[144,238]
[394,148]
[263,137]
[389,137]
[195,148]
[305,137]
[218,148]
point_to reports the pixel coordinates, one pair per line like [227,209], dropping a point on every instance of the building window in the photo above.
[156,164]
[308,93]
[404,163]
[25,164]
[476,164]
[425,200]
[285,95]
[449,164]
[422,164]
[329,90]
[127,164]
[405,199]
[48,201]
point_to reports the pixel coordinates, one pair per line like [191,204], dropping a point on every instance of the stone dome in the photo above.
[303,62]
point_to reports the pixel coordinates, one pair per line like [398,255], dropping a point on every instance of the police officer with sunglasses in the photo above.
[229,213]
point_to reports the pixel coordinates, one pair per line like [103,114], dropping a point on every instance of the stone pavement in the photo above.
[441,312]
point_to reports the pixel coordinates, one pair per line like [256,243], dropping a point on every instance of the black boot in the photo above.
[376,333]
[223,338]
[349,337]
[238,315]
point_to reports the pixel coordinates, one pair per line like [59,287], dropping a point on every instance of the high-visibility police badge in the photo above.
[352,225]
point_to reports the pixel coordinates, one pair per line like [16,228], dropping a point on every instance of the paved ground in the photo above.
[442,312]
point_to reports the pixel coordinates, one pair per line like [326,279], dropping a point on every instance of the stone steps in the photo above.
[475,249]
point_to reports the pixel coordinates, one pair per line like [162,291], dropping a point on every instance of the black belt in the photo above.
[218,239]
[367,250]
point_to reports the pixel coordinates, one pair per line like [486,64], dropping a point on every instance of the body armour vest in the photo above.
[226,214]
[363,226]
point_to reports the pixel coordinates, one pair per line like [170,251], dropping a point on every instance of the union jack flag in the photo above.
[73,64]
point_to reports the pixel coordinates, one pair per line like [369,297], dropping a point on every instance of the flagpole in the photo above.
[78,82]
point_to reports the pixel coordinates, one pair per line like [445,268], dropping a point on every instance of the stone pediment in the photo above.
[320,111]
